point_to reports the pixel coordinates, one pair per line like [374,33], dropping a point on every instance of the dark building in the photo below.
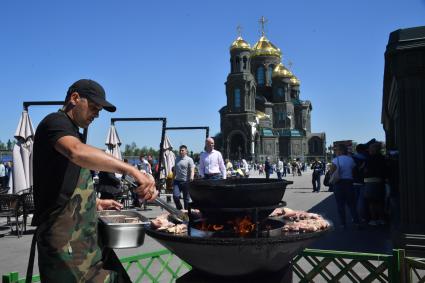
[403,118]
[264,115]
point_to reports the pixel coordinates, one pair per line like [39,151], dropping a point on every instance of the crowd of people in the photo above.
[366,183]
[363,186]
[280,167]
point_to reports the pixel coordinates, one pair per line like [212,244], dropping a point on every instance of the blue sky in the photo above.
[171,59]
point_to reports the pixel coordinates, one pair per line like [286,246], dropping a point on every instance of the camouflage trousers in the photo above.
[67,242]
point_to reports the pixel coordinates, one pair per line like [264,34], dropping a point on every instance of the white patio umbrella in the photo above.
[169,157]
[113,142]
[22,154]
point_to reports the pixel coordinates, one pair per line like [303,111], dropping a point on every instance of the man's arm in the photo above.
[92,158]
[221,165]
[174,168]
[201,165]
[192,170]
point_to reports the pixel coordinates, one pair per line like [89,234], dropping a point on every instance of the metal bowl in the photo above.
[237,193]
[121,235]
[236,256]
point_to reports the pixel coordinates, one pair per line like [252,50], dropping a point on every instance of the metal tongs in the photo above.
[174,213]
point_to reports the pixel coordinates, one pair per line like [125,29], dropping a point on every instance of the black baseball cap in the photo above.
[93,91]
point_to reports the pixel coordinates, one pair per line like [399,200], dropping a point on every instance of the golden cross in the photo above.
[262,21]
[239,30]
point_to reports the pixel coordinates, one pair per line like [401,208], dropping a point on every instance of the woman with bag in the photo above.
[342,181]
[326,180]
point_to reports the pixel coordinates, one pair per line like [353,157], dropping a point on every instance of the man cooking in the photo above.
[65,201]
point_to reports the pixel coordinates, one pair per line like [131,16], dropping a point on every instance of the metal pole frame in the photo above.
[161,145]
[206,128]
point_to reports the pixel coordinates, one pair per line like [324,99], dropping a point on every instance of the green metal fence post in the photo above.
[12,277]
[402,266]
[394,267]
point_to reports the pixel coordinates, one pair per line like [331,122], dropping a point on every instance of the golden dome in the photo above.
[261,115]
[280,71]
[239,43]
[264,47]
[294,81]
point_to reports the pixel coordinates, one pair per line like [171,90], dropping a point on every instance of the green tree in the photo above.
[10,144]
[133,150]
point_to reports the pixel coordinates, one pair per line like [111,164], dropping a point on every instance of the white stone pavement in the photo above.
[14,251]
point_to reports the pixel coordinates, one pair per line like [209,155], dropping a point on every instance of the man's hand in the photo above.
[102,204]
[147,189]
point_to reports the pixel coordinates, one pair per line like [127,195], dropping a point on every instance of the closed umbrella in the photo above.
[22,154]
[113,143]
[168,156]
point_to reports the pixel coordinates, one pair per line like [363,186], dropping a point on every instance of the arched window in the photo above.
[245,60]
[237,98]
[280,92]
[252,98]
[286,92]
[247,100]
[238,63]
[260,76]
[269,73]
[281,116]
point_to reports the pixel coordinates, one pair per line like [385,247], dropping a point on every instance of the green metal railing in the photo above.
[155,267]
[336,266]
[309,266]
[160,266]
[414,268]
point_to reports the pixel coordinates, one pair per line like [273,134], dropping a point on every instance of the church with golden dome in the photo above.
[264,115]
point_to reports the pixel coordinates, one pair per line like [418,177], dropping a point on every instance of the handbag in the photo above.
[327,178]
[335,175]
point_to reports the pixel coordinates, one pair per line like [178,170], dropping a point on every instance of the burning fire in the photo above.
[241,226]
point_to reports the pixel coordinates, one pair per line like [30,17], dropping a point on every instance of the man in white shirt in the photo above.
[280,169]
[211,164]
[245,167]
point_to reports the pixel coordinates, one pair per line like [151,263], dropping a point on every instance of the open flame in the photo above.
[241,226]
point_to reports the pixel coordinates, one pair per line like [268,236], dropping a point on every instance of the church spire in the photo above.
[239,30]
[262,22]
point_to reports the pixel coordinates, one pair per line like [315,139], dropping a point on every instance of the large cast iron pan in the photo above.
[236,256]
[237,193]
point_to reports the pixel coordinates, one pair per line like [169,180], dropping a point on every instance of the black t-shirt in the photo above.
[50,166]
[375,167]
